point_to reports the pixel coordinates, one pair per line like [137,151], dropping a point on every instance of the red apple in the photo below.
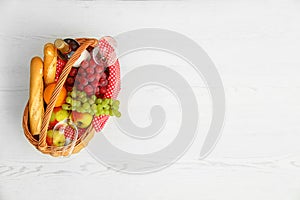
[81,120]
[55,138]
[57,115]
[49,138]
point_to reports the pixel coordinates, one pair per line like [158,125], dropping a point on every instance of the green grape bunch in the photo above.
[80,102]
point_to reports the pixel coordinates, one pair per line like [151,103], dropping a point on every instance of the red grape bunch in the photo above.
[89,77]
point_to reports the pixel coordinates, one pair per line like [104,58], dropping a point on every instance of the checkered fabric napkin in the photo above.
[113,88]
[70,133]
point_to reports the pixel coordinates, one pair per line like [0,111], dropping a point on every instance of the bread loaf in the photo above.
[50,59]
[36,102]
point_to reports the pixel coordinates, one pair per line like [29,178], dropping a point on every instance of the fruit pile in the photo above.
[79,101]
[83,97]
[90,78]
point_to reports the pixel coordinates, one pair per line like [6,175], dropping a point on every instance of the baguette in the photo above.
[50,59]
[36,102]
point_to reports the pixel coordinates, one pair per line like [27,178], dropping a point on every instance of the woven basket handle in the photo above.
[84,43]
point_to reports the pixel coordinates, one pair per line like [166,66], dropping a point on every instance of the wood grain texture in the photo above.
[255,47]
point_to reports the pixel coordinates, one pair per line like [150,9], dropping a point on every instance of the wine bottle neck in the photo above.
[62,46]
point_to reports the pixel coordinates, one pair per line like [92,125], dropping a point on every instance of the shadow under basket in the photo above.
[39,141]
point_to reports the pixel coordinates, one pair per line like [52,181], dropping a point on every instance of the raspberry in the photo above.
[103,82]
[60,64]
[103,90]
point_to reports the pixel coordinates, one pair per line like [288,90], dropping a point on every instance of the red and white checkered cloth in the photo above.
[70,132]
[113,88]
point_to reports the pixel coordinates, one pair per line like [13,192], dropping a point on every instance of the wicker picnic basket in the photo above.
[39,141]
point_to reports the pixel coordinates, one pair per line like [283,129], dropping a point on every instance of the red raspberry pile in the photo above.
[60,64]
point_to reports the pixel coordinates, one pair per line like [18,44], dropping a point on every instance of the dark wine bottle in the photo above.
[66,49]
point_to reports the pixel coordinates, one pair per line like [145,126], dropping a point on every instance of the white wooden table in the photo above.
[255,47]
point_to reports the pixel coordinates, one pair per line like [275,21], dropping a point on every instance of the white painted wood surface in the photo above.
[255,46]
